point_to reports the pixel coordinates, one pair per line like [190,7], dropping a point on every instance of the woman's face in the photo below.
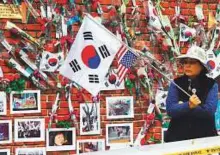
[59,139]
[192,67]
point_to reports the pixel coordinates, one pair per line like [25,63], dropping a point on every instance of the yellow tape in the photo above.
[205,151]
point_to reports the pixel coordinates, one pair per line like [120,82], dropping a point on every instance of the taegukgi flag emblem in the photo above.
[91,55]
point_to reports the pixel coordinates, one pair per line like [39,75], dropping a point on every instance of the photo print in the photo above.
[163,133]
[59,139]
[4,151]
[27,101]
[90,145]
[3,103]
[120,107]
[119,134]
[5,131]
[31,151]
[29,130]
[89,118]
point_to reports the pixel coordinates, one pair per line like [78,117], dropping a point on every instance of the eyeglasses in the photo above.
[190,61]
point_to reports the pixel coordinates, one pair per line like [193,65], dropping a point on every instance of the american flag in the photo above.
[126,58]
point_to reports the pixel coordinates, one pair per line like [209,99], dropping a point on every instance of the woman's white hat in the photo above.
[198,53]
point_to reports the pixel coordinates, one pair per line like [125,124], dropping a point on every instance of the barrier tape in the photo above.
[205,151]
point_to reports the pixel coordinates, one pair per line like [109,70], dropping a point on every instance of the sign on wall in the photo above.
[9,11]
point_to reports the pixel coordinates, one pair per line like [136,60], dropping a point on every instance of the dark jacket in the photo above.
[189,123]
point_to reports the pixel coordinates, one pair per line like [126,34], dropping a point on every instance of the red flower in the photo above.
[16,76]
[143,141]
[167,28]
[132,77]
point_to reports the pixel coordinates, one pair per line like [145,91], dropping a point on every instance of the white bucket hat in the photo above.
[196,52]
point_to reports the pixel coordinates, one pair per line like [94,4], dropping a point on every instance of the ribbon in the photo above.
[74,114]
[53,116]
[178,17]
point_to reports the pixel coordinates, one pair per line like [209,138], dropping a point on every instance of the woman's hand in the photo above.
[194,101]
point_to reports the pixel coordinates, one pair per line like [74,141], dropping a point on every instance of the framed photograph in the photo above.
[119,134]
[89,118]
[27,101]
[29,130]
[59,139]
[90,145]
[31,151]
[5,131]
[119,107]
[4,151]
[163,133]
[3,103]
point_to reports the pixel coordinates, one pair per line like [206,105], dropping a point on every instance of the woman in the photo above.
[194,116]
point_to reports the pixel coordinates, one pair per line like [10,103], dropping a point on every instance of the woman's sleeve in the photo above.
[209,107]
[173,107]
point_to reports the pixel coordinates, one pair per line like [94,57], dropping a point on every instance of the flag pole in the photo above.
[137,54]
[180,88]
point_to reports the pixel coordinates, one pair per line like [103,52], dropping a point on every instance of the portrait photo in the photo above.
[27,101]
[3,103]
[5,131]
[89,118]
[30,151]
[29,130]
[90,145]
[4,151]
[58,139]
[119,107]
[119,134]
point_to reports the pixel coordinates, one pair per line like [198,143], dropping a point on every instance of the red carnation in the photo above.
[132,77]
[167,28]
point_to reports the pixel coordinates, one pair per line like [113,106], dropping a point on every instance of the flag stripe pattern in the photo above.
[126,60]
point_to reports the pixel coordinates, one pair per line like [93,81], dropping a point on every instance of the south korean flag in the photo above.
[91,55]
[213,62]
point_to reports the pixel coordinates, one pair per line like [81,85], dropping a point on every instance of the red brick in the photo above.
[185,12]
[183,5]
[173,4]
[165,4]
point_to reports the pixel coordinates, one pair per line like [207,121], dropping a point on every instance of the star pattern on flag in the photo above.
[128,59]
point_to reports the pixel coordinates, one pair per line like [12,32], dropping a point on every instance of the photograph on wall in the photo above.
[4,151]
[120,107]
[119,134]
[89,118]
[27,101]
[90,145]
[30,151]
[5,131]
[163,133]
[3,103]
[58,139]
[29,130]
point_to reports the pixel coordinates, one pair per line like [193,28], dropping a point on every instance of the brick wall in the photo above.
[48,96]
